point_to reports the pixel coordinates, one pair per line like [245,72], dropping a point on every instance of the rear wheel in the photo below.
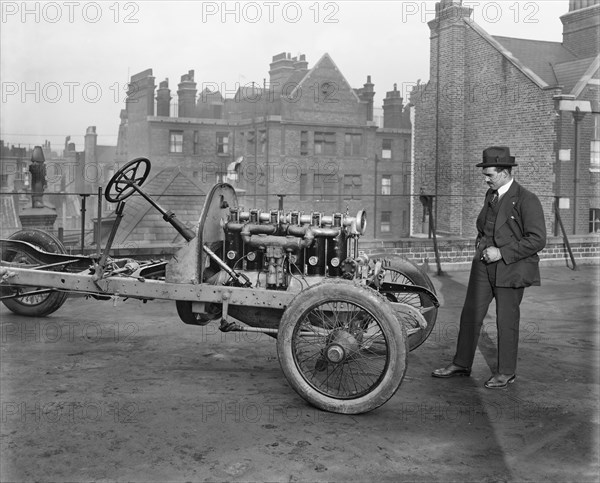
[401,270]
[34,304]
[341,348]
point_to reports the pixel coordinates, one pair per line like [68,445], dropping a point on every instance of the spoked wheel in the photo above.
[341,347]
[400,270]
[34,301]
[120,186]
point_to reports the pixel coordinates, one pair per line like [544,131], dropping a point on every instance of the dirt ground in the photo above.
[129,393]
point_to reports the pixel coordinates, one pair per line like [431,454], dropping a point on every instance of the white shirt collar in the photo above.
[503,189]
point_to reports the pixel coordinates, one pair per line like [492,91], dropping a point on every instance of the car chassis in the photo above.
[344,322]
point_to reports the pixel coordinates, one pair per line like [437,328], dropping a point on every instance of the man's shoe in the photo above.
[451,370]
[499,381]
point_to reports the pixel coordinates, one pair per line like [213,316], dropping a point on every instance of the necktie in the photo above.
[494,199]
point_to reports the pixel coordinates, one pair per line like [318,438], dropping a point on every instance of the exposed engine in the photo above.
[273,247]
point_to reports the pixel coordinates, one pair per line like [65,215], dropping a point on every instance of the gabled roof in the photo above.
[173,191]
[536,78]
[570,73]
[211,95]
[539,55]
[548,64]
[304,78]
[252,92]
[592,72]
[8,213]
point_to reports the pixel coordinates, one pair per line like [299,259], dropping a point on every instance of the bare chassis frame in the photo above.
[148,289]
[366,349]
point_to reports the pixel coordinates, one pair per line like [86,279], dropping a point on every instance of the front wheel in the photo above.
[341,347]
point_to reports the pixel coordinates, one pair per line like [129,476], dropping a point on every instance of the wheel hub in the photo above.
[335,353]
[340,346]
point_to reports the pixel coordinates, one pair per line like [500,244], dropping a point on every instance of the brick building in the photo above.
[69,173]
[539,98]
[306,134]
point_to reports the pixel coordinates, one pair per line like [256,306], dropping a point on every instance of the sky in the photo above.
[64,66]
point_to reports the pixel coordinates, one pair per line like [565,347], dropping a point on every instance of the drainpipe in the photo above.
[577,117]
[375,200]
[567,103]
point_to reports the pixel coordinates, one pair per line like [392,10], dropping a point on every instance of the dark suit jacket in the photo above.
[520,233]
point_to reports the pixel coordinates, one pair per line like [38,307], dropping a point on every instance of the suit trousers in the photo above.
[480,293]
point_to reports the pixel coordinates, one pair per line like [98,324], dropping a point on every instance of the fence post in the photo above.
[564,233]
[427,201]
[83,201]
[99,223]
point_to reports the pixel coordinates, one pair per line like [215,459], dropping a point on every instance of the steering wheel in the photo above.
[120,187]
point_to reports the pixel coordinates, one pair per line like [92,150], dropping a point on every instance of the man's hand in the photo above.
[491,255]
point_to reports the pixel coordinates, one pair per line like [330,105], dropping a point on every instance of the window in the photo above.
[176,141]
[353,144]
[352,186]
[406,150]
[386,222]
[303,186]
[250,142]
[386,149]
[324,187]
[196,142]
[303,143]
[404,221]
[405,184]
[263,141]
[386,184]
[595,220]
[595,146]
[325,143]
[222,143]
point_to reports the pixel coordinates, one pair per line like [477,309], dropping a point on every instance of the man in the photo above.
[511,231]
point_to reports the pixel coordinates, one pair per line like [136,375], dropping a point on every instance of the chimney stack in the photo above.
[140,96]
[366,94]
[187,95]
[581,28]
[163,99]
[392,109]
[300,63]
[280,71]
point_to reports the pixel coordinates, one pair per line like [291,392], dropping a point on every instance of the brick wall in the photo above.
[457,253]
[482,100]
[322,102]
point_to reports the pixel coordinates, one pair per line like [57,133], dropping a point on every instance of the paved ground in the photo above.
[132,394]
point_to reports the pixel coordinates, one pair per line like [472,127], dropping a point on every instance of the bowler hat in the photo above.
[497,156]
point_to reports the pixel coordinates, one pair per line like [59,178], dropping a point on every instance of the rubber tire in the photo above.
[416,277]
[55,300]
[373,302]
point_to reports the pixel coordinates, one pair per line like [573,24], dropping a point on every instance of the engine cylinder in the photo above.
[336,254]
[314,256]
[233,240]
